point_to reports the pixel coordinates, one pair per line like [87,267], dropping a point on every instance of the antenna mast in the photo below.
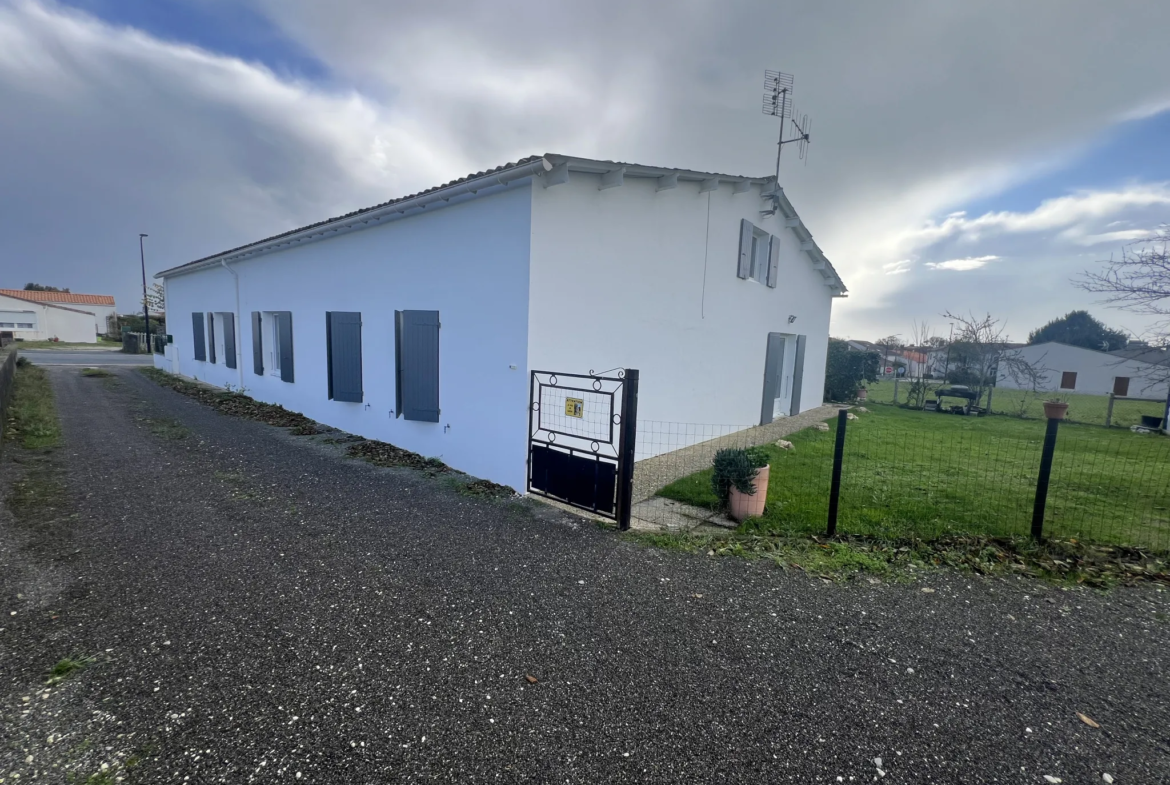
[778,103]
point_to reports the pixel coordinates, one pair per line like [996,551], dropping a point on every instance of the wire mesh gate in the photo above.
[581,434]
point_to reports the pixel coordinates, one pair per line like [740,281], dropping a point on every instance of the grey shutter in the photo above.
[417,342]
[773,261]
[257,344]
[229,340]
[284,328]
[798,373]
[344,335]
[745,248]
[200,339]
[211,337]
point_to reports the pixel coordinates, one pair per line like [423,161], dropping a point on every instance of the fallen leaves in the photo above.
[530,679]
[1088,720]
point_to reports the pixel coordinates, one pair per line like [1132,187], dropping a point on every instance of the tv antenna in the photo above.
[778,103]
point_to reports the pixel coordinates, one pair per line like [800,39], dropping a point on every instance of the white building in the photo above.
[417,322]
[100,305]
[1071,369]
[31,320]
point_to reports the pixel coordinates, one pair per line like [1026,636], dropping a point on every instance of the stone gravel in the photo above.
[264,609]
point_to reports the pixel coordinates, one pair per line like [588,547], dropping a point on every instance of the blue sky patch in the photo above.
[231,29]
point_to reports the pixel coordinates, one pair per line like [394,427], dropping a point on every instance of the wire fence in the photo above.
[907,473]
[1111,410]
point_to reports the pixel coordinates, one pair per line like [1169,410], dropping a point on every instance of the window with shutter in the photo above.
[745,248]
[416,344]
[284,345]
[211,337]
[257,344]
[229,339]
[197,334]
[1068,380]
[343,338]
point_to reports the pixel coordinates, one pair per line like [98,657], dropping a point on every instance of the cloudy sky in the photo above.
[966,156]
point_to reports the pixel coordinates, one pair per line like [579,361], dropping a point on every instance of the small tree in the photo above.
[847,369]
[156,299]
[981,344]
[40,287]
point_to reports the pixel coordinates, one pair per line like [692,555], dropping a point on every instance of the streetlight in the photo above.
[145,302]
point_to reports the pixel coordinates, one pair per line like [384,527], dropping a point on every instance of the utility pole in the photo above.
[145,302]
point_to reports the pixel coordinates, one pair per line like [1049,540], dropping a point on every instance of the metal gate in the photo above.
[581,431]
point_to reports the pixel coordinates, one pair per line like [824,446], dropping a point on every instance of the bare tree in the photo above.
[988,355]
[922,339]
[1139,281]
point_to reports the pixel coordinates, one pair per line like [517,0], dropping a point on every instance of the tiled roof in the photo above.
[59,297]
[15,294]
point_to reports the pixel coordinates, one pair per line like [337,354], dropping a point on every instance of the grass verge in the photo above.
[32,415]
[920,475]
[1060,561]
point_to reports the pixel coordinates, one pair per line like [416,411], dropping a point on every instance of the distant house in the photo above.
[100,305]
[1072,369]
[421,321]
[1143,352]
[31,319]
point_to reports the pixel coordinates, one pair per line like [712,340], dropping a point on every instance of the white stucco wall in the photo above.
[639,278]
[469,261]
[1095,371]
[70,325]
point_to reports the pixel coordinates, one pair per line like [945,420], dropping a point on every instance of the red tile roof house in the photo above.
[100,305]
[30,318]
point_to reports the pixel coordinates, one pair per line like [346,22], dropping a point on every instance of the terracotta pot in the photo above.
[1055,410]
[862,394]
[741,505]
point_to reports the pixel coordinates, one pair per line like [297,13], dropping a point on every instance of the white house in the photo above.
[417,321]
[100,305]
[1072,369]
[32,320]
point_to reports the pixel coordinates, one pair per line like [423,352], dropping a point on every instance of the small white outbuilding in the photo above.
[1073,369]
[31,320]
[419,321]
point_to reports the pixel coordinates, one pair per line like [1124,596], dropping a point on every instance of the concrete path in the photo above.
[85,357]
[651,474]
[251,607]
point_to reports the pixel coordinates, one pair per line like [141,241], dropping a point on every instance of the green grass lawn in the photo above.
[1081,408]
[924,474]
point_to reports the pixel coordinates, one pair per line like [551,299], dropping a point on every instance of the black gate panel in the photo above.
[581,440]
[582,482]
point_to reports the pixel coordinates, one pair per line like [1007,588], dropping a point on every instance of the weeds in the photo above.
[32,415]
[1060,561]
[234,403]
[96,373]
[67,668]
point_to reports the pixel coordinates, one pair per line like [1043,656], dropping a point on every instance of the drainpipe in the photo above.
[238,325]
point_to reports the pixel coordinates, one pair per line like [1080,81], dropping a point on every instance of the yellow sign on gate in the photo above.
[574,407]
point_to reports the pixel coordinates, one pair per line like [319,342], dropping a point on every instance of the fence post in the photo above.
[1109,412]
[627,443]
[1042,480]
[835,488]
[990,390]
[895,390]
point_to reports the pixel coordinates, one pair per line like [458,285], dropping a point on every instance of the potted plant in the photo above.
[740,480]
[1056,407]
[862,394]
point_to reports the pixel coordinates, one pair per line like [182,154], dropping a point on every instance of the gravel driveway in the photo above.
[261,609]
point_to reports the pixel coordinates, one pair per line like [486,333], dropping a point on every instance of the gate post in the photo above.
[1042,480]
[627,438]
[838,456]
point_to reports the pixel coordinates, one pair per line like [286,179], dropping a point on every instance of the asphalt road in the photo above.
[85,357]
[261,609]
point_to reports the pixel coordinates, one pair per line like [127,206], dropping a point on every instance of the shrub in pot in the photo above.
[740,481]
[1056,407]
